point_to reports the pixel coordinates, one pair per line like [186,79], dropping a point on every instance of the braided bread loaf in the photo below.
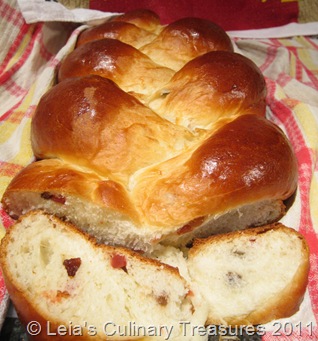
[159,142]
[152,137]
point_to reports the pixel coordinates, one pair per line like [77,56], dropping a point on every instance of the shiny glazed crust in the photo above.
[154,135]
[162,149]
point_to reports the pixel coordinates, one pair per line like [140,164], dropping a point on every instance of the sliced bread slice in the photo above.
[61,278]
[253,276]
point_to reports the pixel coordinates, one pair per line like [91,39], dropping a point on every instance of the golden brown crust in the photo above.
[186,39]
[166,127]
[123,31]
[122,132]
[234,156]
[110,58]
[143,18]
[196,146]
[214,86]
[53,176]
[233,167]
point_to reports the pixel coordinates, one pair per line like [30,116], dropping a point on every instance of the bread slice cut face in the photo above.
[253,276]
[59,276]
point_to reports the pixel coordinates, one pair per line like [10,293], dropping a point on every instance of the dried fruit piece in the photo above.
[72,265]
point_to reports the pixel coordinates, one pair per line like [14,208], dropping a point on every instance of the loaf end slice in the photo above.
[253,276]
[59,276]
